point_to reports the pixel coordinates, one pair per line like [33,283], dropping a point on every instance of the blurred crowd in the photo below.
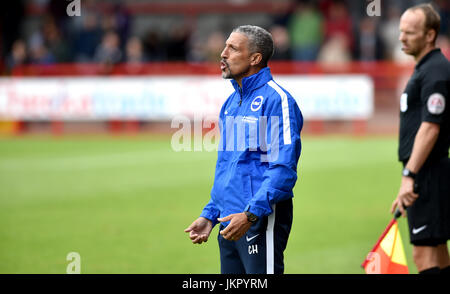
[321,31]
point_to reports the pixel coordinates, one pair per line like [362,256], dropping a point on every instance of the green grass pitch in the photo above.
[122,203]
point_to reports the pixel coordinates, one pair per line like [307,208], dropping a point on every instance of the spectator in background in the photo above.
[281,43]
[443,42]
[281,13]
[214,46]
[338,24]
[17,56]
[338,37]
[154,47]
[368,45]
[108,52]
[56,44]
[305,31]
[134,52]
[335,51]
[117,20]
[38,52]
[87,38]
[443,7]
[205,47]
[389,32]
[177,44]
[57,9]
[196,51]
[12,15]
[134,56]
[310,25]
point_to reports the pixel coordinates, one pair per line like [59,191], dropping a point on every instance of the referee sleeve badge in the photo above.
[404,102]
[436,103]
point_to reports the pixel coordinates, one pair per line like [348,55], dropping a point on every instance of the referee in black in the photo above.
[424,142]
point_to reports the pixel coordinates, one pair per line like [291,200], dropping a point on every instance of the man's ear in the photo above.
[431,35]
[255,59]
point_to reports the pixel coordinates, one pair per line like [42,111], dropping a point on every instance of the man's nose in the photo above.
[224,53]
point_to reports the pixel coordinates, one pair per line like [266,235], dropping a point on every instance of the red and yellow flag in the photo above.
[387,256]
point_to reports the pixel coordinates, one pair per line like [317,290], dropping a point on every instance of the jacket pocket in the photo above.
[248,188]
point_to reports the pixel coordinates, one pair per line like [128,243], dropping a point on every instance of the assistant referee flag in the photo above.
[387,256]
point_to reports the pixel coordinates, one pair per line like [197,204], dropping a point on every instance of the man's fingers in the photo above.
[198,239]
[393,206]
[237,236]
[409,199]
[227,233]
[225,219]
[399,203]
[191,227]
[233,235]
[401,209]
[404,200]
[228,237]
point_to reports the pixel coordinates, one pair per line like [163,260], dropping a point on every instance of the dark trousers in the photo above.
[260,250]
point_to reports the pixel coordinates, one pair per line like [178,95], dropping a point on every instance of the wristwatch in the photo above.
[251,217]
[407,173]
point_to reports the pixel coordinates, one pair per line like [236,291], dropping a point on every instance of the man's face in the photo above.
[412,32]
[235,63]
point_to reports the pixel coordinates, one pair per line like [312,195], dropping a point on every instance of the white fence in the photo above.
[160,98]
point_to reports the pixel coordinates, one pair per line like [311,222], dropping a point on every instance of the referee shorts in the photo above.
[260,250]
[429,216]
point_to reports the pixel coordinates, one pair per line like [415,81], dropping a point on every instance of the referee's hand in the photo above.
[405,197]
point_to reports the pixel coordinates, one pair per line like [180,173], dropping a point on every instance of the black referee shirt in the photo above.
[426,99]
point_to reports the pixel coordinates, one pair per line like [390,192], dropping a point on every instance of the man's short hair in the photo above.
[260,41]
[432,18]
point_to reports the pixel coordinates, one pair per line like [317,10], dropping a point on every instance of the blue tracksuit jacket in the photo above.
[259,149]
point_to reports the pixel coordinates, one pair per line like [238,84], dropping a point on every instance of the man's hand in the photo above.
[237,227]
[199,230]
[406,196]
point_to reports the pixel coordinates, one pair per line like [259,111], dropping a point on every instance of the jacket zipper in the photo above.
[240,94]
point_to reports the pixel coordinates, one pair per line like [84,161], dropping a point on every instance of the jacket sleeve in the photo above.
[211,212]
[284,123]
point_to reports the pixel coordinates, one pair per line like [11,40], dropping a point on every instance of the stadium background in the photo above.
[116,192]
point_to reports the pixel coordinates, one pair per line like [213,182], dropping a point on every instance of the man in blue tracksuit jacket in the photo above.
[256,168]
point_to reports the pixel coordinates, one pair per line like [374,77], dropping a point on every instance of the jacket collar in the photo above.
[254,81]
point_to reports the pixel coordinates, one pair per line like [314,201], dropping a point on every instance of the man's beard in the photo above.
[414,49]
[226,72]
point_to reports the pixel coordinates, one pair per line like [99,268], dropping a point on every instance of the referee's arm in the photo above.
[424,142]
